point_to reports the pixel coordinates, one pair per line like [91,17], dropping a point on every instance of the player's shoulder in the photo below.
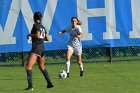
[78,26]
[36,25]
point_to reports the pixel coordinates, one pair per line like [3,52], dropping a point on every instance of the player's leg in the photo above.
[78,52]
[44,71]
[79,61]
[29,66]
[68,56]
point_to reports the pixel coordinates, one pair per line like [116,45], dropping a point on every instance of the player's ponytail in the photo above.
[79,22]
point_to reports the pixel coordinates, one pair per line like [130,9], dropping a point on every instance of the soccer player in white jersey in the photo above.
[74,44]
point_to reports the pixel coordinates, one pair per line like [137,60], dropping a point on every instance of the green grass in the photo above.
[116,77]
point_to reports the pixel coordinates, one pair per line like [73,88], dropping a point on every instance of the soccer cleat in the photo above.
[67,74]
[29,88]
[81,73]
[50,86]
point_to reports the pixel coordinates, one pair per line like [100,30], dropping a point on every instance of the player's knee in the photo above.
[68,59]
[28,67]
[79,62]
[41,68]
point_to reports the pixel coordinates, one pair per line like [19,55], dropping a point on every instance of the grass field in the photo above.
[116,77]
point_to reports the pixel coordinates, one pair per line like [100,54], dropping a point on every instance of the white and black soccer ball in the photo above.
[62,74]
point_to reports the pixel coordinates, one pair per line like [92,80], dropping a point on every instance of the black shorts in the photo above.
[38,49]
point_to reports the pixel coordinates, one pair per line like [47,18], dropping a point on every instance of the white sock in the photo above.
[81,67]
[68,66]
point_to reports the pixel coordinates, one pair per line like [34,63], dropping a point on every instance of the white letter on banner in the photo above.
[27,14]
[135,19]
[49,14]
[6,36]
[83,14]
[108,11]
[16,5]
[110,21]
[47,17]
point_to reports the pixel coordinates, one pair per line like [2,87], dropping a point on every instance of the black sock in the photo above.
[46,75]
[29,78]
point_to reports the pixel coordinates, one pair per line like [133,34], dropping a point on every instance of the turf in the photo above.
[116,77]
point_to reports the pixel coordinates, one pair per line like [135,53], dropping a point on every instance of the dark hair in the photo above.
[79,22]
[37,16]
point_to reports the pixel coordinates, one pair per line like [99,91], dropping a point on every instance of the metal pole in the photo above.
[109,53]
[22,58]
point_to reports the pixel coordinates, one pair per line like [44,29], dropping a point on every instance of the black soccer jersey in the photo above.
[41,28]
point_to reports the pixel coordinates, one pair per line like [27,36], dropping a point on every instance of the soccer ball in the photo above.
[62,74]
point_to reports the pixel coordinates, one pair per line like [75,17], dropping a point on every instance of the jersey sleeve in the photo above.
[45,31]
[80,29]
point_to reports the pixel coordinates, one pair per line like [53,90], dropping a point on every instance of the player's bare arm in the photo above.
[47,37]
[80,35]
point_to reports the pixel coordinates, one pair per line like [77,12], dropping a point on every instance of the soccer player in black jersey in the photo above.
[38,35]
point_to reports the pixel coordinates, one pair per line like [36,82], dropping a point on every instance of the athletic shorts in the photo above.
[38,49]
[77,50]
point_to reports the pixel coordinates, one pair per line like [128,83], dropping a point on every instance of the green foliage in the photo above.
[126,51]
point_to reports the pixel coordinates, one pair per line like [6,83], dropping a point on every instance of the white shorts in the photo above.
[77,50]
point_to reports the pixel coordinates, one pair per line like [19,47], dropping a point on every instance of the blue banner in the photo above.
[105,23]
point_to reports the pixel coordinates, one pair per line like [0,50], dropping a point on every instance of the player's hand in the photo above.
[76,36]
[28,36]
[59,33]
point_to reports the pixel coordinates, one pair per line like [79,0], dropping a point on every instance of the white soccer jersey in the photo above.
[74,41]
